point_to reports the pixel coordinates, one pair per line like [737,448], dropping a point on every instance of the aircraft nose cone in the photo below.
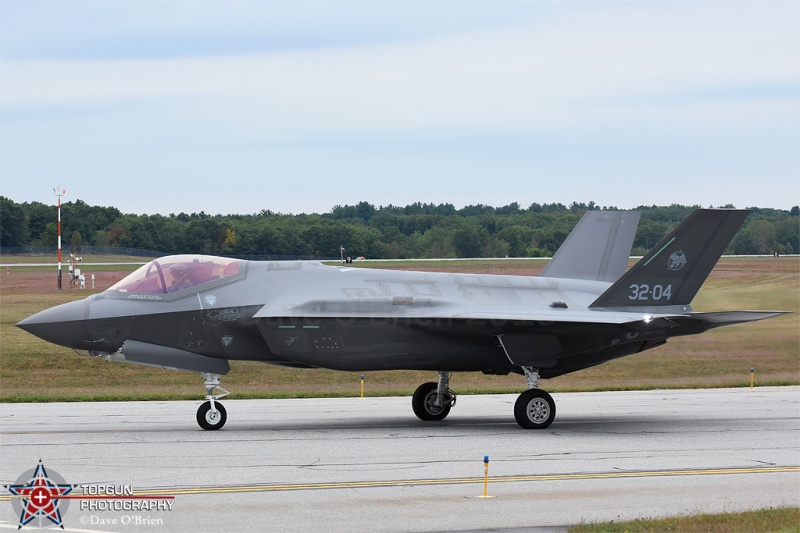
[59,324]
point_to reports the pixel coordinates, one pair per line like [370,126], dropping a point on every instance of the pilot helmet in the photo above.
[178,270]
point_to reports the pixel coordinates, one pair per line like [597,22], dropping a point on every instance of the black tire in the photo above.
[210,421]
[423,403]
[535,409]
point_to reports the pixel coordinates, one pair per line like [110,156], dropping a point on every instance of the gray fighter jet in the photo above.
[196,313]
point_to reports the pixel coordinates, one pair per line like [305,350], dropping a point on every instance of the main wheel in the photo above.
[209,419]
[535,409]
[424,403]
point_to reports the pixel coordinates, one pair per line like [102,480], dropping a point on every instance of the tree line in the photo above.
[418,230]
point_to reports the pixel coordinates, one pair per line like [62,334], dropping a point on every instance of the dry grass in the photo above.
[33,370]
[784,520]
[52,259]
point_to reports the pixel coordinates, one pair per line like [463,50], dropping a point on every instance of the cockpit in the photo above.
[177,273]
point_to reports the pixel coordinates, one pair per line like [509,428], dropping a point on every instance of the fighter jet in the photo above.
[196,313]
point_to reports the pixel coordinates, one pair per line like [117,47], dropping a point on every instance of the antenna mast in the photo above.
[59,192]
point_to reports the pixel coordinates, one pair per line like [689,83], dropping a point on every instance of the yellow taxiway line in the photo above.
[178,491]
[456,481]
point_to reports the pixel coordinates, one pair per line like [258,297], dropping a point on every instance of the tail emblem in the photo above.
[677,261]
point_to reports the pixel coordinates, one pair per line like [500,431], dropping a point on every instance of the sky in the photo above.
[234,107]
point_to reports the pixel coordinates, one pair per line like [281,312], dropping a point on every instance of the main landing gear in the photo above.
[211,415]
[534,409]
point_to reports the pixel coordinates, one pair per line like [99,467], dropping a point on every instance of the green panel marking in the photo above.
[661,250]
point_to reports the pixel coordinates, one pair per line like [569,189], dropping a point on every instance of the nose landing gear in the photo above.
[432,401]
[212,415]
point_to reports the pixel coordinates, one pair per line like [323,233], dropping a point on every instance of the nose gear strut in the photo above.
[211,415]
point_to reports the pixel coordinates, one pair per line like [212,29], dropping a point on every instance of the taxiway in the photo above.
[369,464]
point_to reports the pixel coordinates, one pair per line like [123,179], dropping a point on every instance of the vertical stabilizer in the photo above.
[673,271]
[598,248]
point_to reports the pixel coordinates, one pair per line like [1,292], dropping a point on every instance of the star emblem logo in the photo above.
[39,496]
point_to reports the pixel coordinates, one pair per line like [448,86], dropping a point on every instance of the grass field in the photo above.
[33,370]
[51,260]
[782,520]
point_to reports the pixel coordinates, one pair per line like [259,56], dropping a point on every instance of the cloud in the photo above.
[563,71]
[559,92]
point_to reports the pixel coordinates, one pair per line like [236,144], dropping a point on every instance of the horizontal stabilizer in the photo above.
[597,249]
[729,318]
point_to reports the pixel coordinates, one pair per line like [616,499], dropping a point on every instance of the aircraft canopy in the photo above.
[176,273]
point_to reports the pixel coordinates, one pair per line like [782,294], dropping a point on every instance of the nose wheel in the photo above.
[212,415]
[432,401]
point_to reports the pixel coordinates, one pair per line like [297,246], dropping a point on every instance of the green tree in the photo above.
[76,239]
[204,235]
[39,216]
[327,238]
[48,236]
[758,237]
[762,234]
[495,247]
[101,238]
[649,233]
[469,240]
[787,235]
[437,242]
[510,209]
[519,239]
[416,230]
[13,226]
[365,211]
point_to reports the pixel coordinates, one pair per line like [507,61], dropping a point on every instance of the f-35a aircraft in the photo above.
[196,313]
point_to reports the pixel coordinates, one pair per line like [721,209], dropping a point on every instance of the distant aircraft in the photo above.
[196,313]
